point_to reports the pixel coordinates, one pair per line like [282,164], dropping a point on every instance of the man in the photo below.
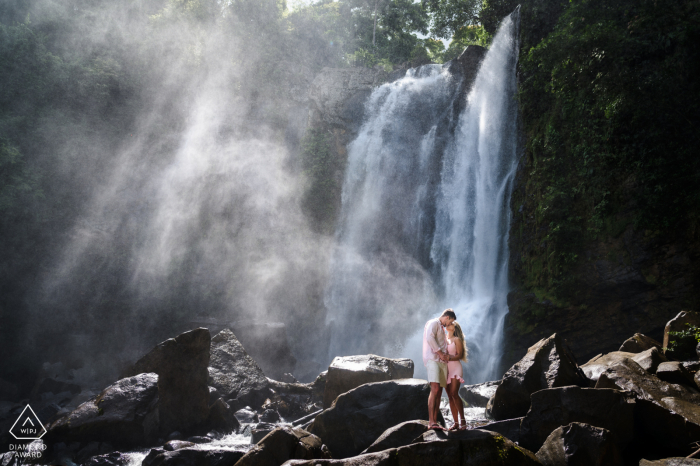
[435,360]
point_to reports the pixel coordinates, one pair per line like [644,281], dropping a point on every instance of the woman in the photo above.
[457,350]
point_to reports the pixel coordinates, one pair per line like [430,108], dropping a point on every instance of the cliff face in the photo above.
[604,233]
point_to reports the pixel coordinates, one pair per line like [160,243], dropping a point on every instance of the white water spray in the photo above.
[425,212]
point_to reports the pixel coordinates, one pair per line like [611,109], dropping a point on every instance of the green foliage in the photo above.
[465,36]
[450,16]
[611,102]
[682,344]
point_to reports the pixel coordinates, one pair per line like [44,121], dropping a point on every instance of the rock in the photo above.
[282,444]
[9,459]
[552,408]
[177,435]
[288,378]
[696,379]
[464,448]
[348,372]
[667,413]
[125,413]
[222,418]
[198,439]
[181,364]
[477,396]
[358,417]
[639,343]
[398,436]
[671,462]
[548,364]
[580,444]
[235,375]
[679,323]
[173,445]
[151,456]
[650,359]
[674,372]
[268,345]
[193,457]
[110,459]
[92,449]
[692,366]
[260,431]
[270,415]
[213,395]
[246,415]
[510,428]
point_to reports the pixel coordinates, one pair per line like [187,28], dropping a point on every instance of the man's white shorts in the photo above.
[437,372]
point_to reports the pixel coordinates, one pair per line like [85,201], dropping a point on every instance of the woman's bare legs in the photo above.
[456,405]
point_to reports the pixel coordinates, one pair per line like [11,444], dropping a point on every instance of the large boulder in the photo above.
[510,428]
[464,448]
[195,457]
[124,414]
[548,364]
[234,374]
[668,414]
[552,408]
[648,359]
[398,436]
[181,364]
[680,323]
[282,444]
[360,416]
[348,372]
[638,343]
[478,395]
[675,372]
[222,418]
[580,444]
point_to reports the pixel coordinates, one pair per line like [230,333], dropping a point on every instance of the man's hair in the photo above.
[449,313]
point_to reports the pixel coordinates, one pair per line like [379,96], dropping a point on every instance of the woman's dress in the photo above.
[454,368]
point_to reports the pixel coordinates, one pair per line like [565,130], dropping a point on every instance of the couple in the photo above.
[442,356]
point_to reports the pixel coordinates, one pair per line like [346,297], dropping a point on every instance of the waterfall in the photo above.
[425,212]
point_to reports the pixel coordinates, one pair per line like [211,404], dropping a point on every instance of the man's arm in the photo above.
[432,339]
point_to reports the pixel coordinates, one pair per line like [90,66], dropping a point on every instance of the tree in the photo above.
[449,16]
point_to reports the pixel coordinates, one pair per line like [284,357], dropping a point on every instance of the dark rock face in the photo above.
[638,343]
[181,364]
[580,444]
[282,444]
[124,414]
[194,457]
[222,418]
[465,448]
[547,364]
[234,374]
[398,436]
[110,459]
[478,395]
[674,372]
[348,372]
[668,414]
[510,428]
[260,431]
[609,409]
[360,416]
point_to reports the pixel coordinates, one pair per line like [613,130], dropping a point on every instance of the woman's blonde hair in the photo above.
[458,333]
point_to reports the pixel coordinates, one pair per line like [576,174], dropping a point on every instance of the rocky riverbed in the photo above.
[202,400]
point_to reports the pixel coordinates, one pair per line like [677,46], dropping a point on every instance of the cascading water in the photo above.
[425,211]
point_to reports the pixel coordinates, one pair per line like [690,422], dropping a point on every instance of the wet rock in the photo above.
[465,448]
[552,408]
[93,449]
[246,415]
[348,372]
[222,418]
[510,428]
[193,457]
[260,431]
[282,444]
[9,458]
[579,444]
[270,415]
[235,375]
[358,417]
[125,413]
[667,414]
[110,459]
[549,363]
[173,445]
[674,372]
[181,364]
[671,462]
[198,439]
[478,395]
[151,456]
[639,343]
[292,400]
[398,436]
[679,323]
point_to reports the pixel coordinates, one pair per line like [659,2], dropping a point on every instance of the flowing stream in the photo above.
[425,212]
